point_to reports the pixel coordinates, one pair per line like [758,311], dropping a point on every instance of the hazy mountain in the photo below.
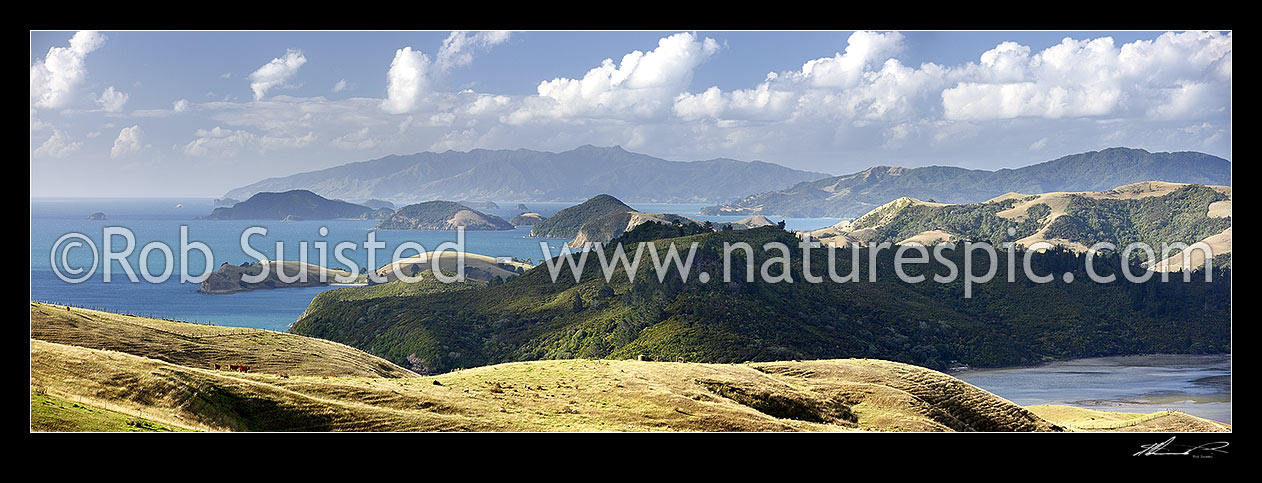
[856,194]
[525,175]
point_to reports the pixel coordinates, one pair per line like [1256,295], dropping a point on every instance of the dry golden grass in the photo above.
[1081,419]
[489,267]
[566,395]
[203,346]
[159,370]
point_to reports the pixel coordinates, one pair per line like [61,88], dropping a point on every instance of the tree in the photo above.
[578,303]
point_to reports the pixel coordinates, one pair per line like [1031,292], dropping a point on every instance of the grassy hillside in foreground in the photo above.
[203,346]
[929,324]
[70,385]
[567,395]
[50,413]
[1081,419]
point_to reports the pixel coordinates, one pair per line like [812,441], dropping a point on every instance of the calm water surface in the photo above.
[160,219]
[1199,385]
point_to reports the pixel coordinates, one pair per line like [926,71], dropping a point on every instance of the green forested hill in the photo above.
[928,323]
[566,223]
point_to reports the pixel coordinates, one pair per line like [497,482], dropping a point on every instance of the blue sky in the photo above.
[167,113]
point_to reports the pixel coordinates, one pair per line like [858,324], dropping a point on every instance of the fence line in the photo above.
[240,331]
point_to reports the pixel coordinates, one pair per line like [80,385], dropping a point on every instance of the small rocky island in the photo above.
[98,216]
[442,215]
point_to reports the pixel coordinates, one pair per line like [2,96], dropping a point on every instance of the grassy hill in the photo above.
[477,267]
[855,194]
[49,413]
[197,345]
[1148,212]
[137,379]
[927,324]
[442,215]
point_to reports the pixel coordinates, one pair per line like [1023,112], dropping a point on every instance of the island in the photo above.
[442,215]
[527,219]
[98,216]
[294,205]
[377,204]
[229,278]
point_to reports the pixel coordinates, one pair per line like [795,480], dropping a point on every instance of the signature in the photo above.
[1165,448]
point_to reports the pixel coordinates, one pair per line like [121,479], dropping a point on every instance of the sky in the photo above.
[168,113]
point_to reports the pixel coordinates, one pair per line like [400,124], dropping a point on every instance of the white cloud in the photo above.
[406,81]
[276,73]
[36,124]
[58,145]
[863,49]
[1175,76]
[356,140]
[1039,145]
[643,85]
[838,113]
[181,105]
[340,86]
[458,47]
[229,143]
[128,142]
[55,77]
[112,100]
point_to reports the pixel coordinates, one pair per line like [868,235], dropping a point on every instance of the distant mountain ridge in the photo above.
[526,175]
[855,194]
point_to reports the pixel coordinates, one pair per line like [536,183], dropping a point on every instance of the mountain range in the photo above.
[526,175]
[855,194]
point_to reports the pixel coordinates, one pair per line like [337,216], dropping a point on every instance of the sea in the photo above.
[1199,385]
[165,219]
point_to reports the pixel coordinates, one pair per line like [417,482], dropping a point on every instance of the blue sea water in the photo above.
[161,220]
